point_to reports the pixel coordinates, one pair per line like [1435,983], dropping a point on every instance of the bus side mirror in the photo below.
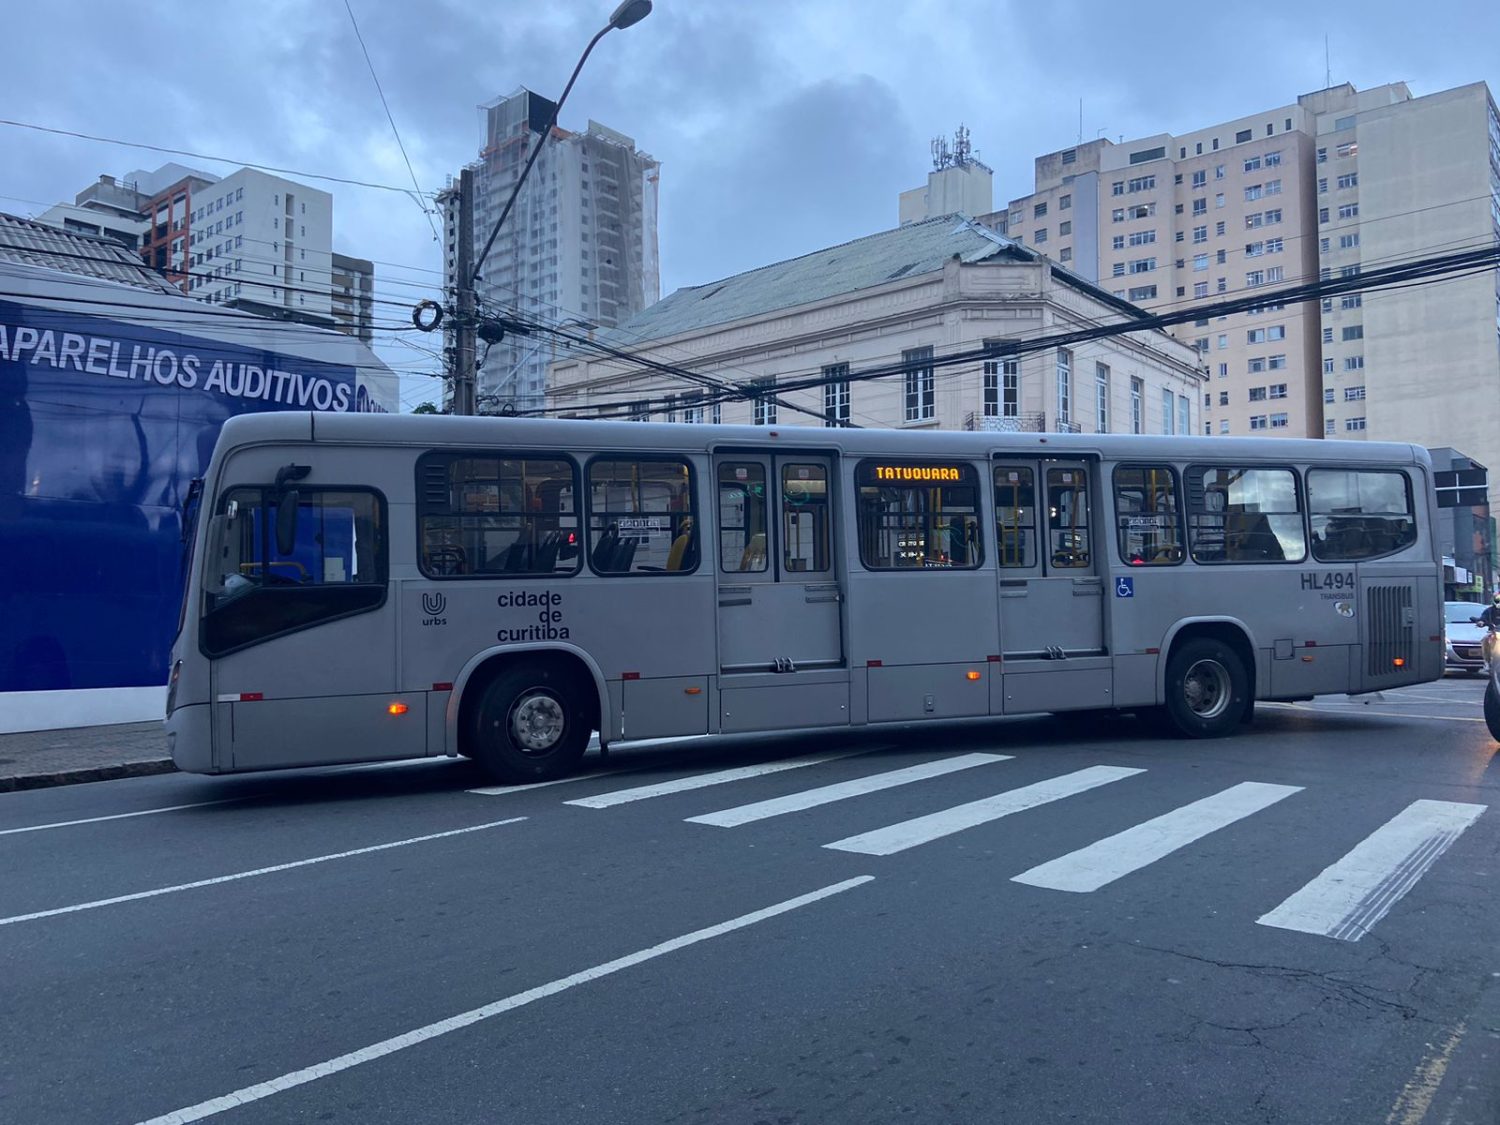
[286,521]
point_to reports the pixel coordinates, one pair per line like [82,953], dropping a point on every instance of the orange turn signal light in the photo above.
[397,709]
[1399,662]
[972,675]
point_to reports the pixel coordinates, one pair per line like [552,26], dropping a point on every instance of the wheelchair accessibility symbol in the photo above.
[1124,587]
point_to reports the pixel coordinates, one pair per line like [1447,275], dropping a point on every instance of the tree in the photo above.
[426,408]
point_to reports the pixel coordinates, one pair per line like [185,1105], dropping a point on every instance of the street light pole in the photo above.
[628,13]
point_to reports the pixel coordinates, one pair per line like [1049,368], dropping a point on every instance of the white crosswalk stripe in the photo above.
[839,791]
[702,781]
[923,829]
[1115,856]
[1352,895]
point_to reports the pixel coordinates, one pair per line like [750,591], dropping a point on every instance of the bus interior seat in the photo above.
[680,556]
[604,550]
[624,554]
[546,555]
[754,557]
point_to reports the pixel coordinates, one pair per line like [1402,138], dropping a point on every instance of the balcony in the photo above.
[1035,423]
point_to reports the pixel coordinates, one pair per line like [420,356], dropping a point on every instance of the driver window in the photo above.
[339,540]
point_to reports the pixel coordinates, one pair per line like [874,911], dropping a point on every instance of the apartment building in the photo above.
[1339,179]
[1397,181]
[579,246]
[353,295]
[249,240]
[264,244]
[105,209]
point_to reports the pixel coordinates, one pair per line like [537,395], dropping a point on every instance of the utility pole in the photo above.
[466,326]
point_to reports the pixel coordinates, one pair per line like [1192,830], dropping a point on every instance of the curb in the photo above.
[93,773]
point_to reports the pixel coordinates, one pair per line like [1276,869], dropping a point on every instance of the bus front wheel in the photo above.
[1207,688]
[531,724]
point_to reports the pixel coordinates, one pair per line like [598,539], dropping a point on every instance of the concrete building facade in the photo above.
[353,296]
[1338,181]
[105,209]
[580,244]
[918,293]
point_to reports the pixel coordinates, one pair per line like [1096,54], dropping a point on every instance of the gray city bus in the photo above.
[374,587]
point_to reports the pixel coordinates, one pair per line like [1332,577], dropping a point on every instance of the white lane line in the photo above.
[488,1011]
[251,874]
[1108,859]
[703,780]
[123,815]
[501,790]
[923,829]
[1358,709]
[826,794]
[1353,894]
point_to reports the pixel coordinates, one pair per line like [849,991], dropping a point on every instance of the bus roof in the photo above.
[436,430]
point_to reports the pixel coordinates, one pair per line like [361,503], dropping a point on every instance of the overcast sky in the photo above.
[782,126]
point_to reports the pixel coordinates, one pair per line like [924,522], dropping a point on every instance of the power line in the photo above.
[425,210]
[200,156]
[1419,271]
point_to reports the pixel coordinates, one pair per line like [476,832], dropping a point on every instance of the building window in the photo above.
[1137,409]
[1142,237]
[1039,210]
[836,395]
[1064,203]
[920,390]
[1278,390]
[1354,424]
[1354,363]
[1168,401]
[1142,265]
[1354,394]
[1064,385]
[1143,293]
[764,391]
[1257,394]
[1064,228]
[1259,422]
[1040,236]
[1348,210]
[1200,206]
[1354,332]
[1101,398]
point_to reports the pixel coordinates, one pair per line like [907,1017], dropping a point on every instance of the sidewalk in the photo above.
[41,758]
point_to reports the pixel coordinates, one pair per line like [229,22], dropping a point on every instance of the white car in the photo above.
[1463,640]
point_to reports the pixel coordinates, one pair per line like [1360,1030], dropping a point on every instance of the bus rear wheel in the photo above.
[531,724]
[1207,689]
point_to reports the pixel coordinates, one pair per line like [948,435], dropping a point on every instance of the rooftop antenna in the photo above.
[1327,64]
[962,150]
[1080,121]
[941,156]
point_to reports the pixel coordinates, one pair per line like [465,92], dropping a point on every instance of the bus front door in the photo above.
[1051,594]
[781,658]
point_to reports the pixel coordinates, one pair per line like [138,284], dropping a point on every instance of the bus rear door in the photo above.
[781,651]
[1051,593]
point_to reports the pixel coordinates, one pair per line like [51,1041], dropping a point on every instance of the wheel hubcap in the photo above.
[536,722]
[1206,689]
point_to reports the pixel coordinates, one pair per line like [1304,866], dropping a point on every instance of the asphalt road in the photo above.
[1297,924]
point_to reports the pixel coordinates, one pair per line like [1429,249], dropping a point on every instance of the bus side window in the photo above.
[742,518]
[1149,521]
[1359,514]
[637,512]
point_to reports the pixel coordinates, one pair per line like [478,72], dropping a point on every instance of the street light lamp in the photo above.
[629,13]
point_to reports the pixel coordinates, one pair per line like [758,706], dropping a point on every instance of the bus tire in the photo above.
[1207,689]
[1492,709]
[531,724]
